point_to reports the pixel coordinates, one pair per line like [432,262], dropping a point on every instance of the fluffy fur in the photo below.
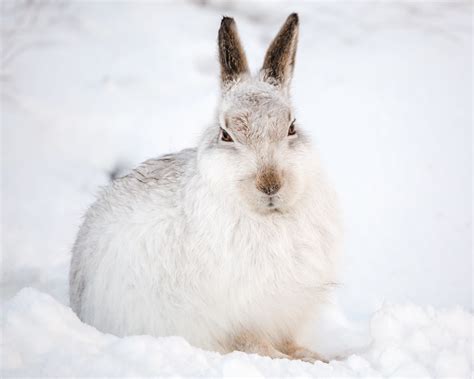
[231,245]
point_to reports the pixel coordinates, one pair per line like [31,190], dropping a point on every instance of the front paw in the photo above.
[306,355]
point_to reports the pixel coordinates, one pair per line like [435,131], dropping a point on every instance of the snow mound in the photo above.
[42,337]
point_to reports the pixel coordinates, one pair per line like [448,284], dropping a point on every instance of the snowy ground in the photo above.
[89,88]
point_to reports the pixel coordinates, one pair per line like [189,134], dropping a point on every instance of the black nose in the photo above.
[270,190]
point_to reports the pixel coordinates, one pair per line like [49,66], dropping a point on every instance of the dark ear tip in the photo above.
[293,18]
[227,21]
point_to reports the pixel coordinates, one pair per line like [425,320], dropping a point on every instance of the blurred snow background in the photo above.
[91,88]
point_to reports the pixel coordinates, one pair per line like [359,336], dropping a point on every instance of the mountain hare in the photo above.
[231,245]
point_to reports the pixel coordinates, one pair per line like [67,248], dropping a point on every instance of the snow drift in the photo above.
[45,338]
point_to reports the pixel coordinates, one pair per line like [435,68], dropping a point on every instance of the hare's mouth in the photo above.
[272,204]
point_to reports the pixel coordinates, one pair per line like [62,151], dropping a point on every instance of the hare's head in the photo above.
[256,150]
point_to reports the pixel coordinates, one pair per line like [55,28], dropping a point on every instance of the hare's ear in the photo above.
[231,54]
[280,57]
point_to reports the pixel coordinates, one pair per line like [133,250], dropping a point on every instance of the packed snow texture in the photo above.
[90,89]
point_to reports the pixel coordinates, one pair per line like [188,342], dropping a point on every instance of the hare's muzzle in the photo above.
[268,181]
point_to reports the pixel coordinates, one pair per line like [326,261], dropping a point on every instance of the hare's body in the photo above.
[228,259]
[158,254]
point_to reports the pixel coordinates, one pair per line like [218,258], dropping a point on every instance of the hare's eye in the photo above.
[291,129]
[225,136]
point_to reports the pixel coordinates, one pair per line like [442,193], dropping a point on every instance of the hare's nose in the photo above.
[268,182]
[270,190]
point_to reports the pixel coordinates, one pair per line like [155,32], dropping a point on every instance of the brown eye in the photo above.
[292,130]
[225,136]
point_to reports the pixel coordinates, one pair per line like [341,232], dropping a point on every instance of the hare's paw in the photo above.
[295,351]
[252,344]
[306,355]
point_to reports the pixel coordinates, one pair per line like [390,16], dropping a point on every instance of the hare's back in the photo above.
[152,191]
[165,171]
[156,184]
[133,213]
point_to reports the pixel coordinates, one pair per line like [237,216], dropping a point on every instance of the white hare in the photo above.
[231,245]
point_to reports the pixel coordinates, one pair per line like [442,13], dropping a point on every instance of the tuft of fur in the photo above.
[230,245]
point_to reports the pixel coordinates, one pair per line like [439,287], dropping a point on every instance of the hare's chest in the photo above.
[261,273]
[261,276]
[255,262]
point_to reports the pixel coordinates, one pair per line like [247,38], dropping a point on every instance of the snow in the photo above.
[47,339]
[385,88]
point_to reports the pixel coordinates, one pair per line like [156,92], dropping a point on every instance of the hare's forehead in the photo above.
[248,109]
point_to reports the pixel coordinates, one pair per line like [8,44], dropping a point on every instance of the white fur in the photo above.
[186,245]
